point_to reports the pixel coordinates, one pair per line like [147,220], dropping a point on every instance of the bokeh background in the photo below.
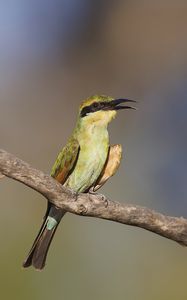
[53,54]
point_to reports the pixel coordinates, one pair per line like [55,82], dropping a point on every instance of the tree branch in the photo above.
[97,206]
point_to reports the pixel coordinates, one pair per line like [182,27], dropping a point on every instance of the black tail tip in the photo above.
[37,266]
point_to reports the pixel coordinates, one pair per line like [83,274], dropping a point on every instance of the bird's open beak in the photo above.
[116,104]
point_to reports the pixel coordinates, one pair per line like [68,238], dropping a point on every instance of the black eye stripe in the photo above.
[92,108]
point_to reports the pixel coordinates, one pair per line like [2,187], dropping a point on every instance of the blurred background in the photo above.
[53,54]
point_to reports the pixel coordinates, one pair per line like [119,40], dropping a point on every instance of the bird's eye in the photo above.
[95,104]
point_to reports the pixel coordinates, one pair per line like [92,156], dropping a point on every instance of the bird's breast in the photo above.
[91,160]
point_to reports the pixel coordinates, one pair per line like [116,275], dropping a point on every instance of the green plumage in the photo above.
[66,158]
[91,159]
[79,165]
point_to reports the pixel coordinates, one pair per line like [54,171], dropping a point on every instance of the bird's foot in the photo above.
[101,196]
[92,191]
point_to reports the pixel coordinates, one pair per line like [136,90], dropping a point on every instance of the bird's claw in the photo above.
[101,196]
[92,191]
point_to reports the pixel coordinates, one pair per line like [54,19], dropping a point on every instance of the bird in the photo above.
[84,165]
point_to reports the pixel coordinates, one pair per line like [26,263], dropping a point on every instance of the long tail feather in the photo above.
[38,253]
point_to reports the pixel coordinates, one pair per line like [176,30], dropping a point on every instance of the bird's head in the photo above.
[102,109]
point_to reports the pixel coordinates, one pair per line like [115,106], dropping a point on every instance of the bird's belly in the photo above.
[89,166]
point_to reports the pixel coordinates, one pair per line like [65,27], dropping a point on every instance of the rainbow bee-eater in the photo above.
[84,164]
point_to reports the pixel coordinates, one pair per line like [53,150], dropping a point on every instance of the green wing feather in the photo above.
[66,160]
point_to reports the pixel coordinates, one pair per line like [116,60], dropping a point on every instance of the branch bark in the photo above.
[97,206]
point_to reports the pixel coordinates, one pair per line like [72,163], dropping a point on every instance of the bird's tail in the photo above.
[38,253]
